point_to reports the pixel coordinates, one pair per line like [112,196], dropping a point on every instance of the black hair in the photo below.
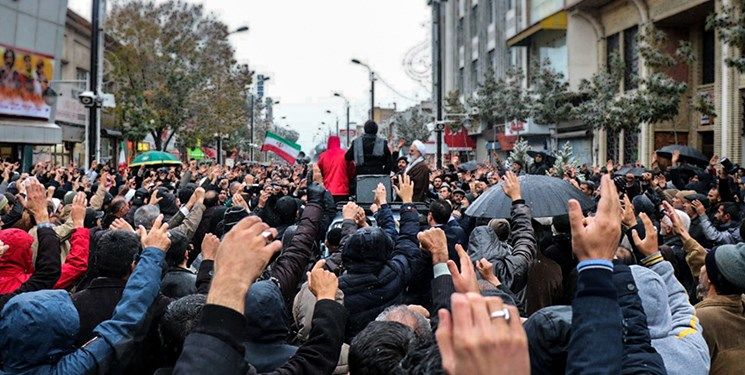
[379,348]
[441,211]
[731,209]
[334,236]
[210,198]
[424,360]
[114,253]
[179,319]
[176,253]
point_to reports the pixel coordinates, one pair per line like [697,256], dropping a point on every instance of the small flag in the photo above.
[283,148]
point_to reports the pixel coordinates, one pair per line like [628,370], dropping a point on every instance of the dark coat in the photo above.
[371,285]
[420,177]
[178,282]
[214,347]
[267,348]
[545,287]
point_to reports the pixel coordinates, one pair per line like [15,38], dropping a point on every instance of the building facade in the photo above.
[31,40]
[578,37]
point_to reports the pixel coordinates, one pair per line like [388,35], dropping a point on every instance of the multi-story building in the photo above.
[578,37]
[31,34]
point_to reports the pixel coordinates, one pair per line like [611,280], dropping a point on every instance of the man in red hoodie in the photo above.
[336,170]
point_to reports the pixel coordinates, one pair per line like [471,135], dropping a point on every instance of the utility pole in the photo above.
[348,141]
[95,80]
[372,95]
[437,74]
[251,124]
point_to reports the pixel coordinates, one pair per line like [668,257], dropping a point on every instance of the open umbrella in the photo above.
[687,154]
[548,159]
[547,196]
[468,166]
[154,158]
[636,171]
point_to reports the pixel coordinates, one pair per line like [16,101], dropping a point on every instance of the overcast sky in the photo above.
[306,47]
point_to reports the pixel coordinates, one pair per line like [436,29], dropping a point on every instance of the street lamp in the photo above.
[346,101]
[241,29]
[372,86]
[251,106]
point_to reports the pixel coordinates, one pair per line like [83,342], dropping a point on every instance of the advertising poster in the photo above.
[24,78]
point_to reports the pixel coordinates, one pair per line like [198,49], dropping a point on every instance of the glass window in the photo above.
[474,21]
[611,47]
[707,57]
[556,52]
[630,58]
[81,75]
[461,74]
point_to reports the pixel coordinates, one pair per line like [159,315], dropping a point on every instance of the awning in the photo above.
[30,132]
[73,133]
[556,21]
[111,133]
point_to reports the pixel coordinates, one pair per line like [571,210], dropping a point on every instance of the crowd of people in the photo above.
[274,268]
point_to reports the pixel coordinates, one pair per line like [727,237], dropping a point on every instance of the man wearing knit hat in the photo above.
[722,312]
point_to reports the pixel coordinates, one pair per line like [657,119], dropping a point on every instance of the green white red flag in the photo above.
[282,147]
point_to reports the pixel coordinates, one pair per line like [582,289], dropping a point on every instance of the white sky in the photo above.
[305,46]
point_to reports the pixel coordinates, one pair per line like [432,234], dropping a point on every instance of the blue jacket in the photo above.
[266,322]
[37,329]
[370,288]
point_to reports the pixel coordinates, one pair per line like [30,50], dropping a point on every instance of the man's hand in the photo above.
[239,201]
[360,218]
[323,284]
[374,208]
[628,217]
[678,227]
[465,279]
[349,211]
[511,186]
[609,166]
[433,240]
[597,237]
[199,195]
[405,189]
[675,157]
[242,256]
[380,195]
[3,248]
[210,244]
[154,199]
[157,237]
[36,202]
[648,246]
[263,198]
[121,224]
[77,213]
[486,269]
[472,342]
[699,207]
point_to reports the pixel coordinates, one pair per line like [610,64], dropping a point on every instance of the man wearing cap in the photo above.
[418,170]
[722,311]
[370,153]
[684,201]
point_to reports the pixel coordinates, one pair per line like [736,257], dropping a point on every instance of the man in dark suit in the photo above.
[370,153]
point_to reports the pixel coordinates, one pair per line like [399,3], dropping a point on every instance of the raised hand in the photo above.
[699,207]
[627,212]
[121,224]
[380,195]
[405,189]
[210,244]
[36,201]
[239,201]
[648,245]
[154,199]
[433,240]
[157,237]
[323,284]
[486,269]
[349,211]
[472,342]
[597,237]
[3,248]
[511,186]
[242,256]
[77,213]
[465,279]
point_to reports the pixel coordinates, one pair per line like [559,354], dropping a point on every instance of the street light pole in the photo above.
[94,84]
[346,101]
[437,73]
[372,86]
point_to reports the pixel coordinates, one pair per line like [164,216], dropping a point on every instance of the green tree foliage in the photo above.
[730,23]
[453,107]
[519,154]
[503,99]
[550,98]
[173,71]
[565,160]
[413,127]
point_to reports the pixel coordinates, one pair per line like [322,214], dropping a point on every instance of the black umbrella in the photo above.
[547,196]
[547,159]
[687,154]
[636,171]
[469,166]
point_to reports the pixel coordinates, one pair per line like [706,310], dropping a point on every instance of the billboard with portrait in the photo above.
[24,78]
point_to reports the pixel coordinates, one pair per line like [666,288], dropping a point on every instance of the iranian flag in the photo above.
[283,148]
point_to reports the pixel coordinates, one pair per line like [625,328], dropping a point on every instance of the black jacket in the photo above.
[372,164]
[215,345]
[178,282]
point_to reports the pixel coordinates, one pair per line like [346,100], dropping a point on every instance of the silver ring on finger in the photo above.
[503,313]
